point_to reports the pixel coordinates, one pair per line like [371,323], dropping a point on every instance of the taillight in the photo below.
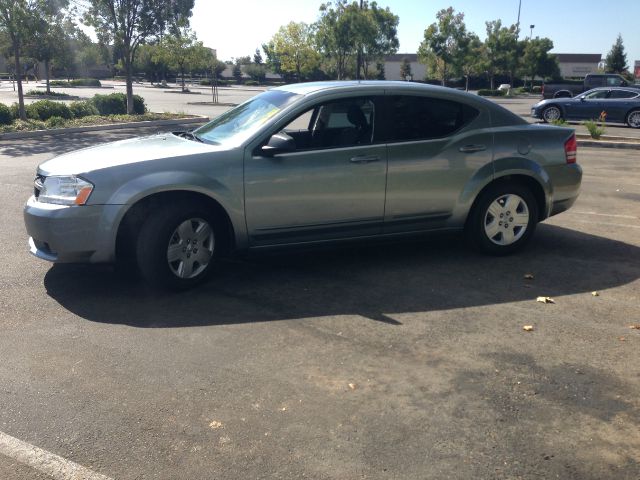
[571,149]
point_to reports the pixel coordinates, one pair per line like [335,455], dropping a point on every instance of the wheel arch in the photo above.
[629,112]
[134,216]
[563,94]
[527,180]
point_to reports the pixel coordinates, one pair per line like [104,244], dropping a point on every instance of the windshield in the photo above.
[241,122]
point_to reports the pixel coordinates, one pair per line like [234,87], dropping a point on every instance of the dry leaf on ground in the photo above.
[352,386]
[528,328]
[215,425]
[545,300]
[595,294]
[634,327]
[528,276]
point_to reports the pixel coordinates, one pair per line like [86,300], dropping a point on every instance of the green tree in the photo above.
[444,46]
[405,69]
[379,37]
[293,47]
[257,57]
[500,50]
[128,23]
[536,60]
[334,35]
[256,71]
[17,22]
[48,40]
[184,52]
[472,58]
[616,61]
[236,71]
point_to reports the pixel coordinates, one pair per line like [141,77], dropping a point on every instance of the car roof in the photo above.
[500,115]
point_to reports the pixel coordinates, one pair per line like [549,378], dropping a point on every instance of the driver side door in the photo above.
[331,186]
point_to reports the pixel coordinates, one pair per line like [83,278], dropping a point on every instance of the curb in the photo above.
[601,144]
[97,128]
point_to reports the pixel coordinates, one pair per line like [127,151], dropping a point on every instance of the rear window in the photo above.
[423,118]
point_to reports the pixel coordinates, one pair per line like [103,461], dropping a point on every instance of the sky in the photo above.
[237,27]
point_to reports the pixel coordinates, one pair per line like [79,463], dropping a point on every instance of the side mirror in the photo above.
[278,143]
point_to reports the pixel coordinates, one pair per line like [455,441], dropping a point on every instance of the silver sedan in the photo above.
[305,164]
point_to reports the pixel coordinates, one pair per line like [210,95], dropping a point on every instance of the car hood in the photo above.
[134,150]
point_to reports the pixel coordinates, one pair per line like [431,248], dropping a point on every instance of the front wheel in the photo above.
[633,119]
[551,114]
[176,247]
[503,219]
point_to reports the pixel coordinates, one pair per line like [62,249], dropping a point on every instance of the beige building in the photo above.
[393,62]
[578,64]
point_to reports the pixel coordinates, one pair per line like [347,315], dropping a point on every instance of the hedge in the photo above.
[83,109]
[116,103]
[491,93]
[76,82]
[45,109]
[6,117]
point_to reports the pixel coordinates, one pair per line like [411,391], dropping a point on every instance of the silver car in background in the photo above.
[305,164]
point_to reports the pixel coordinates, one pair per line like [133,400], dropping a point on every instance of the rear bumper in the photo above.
[566,181]
[66,234]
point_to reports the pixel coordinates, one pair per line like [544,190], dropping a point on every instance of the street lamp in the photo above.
[531,34]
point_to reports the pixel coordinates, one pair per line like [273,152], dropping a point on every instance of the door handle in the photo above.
[365,159]
[472,148]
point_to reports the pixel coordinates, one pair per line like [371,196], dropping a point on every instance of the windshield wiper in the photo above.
[189,135]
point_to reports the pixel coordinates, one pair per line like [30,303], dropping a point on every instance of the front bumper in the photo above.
[535,113]
[64,234]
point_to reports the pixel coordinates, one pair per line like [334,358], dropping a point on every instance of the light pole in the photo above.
[518,22]
[531,34]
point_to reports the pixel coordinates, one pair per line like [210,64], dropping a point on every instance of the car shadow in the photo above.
[374,281]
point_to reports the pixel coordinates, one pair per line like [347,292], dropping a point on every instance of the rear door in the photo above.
[434,147]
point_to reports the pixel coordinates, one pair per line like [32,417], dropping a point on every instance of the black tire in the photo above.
[546,112]
[633,119]
[479,219]
[160,231]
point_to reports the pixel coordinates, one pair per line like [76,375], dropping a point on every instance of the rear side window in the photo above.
[614,81]
[623,94]
[423,118]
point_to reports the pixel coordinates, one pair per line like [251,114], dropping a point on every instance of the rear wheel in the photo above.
[551,114]
[633,119]
[503,219]
[176,247]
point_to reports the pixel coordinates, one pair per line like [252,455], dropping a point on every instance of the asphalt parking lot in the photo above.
[398,361]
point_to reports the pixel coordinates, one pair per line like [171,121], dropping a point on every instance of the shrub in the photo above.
[85,82]
[116,103]
[252,83]
[58,83]
[491,93]
[55,122]
[83,109]
[45,109]
[536,89]
[559,122]
[6,116]
[44,93]
[595,130]
[15,110]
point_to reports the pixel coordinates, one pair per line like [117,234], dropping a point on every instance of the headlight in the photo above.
[68,190]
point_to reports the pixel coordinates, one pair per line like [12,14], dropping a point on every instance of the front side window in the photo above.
[422,118]
[596,94]
[336,124]
[240,123]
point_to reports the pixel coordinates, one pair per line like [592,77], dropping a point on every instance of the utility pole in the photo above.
[518,23]
[359,58]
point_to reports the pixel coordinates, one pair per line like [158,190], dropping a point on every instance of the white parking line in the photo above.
[46,462]
[605,214]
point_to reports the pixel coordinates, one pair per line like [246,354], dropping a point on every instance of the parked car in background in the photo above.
[571,89]
[620,105]
[305,164]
